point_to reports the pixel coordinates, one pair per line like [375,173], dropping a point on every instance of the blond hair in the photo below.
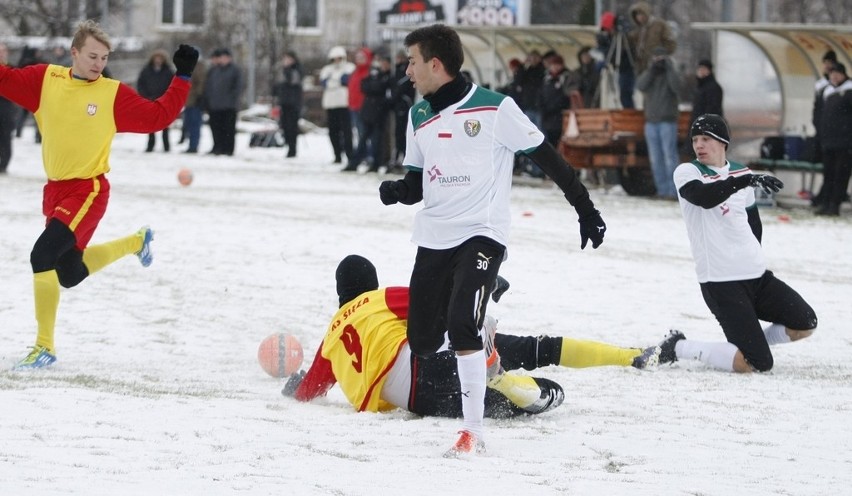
[86,29]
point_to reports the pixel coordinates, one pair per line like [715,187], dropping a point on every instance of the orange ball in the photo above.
[280,355]
[185,177]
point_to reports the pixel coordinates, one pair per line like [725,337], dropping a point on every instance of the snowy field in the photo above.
[157,389]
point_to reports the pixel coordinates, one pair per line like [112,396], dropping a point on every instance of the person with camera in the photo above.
[649,34]
[613,44]
[660,84]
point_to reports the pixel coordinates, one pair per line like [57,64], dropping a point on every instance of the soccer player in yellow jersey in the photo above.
[79,111]
[366,351]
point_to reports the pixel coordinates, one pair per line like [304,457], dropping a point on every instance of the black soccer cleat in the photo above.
[667,346]
[500,287]
[552,396]
[648,359]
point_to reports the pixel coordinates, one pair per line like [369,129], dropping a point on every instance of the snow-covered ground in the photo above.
[157,389]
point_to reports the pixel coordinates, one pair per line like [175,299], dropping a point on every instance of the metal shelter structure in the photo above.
[768,71]
[488,49]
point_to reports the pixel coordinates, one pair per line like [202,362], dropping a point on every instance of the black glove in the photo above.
[770,184]
[592,227]
[500,287]
[185,58]
[293,384]
[391,192]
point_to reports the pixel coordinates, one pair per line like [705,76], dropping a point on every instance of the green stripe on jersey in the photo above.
[482,98]
[420,113]
[707,171]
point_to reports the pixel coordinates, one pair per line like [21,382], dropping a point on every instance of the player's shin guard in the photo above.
[99,256]
[580,353]
[46,295]
[471,369]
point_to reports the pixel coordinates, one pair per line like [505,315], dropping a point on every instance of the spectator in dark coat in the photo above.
[153,81]
[290,100]
[513,88]
[708,93]
[828,61]
[587,77]
[532,77]
[835,130]
[222,92]
[403,99]
[377,91]
[8,116]
[193,111]
[554,98]
[613,43]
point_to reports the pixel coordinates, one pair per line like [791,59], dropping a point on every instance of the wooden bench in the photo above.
[608,138]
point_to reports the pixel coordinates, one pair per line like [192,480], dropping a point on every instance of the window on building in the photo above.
[307,14]
[298,14]
[183,12]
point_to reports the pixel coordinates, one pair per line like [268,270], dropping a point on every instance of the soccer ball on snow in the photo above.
[280,355]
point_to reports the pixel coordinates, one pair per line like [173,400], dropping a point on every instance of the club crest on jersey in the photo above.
[472,127]
[91,109]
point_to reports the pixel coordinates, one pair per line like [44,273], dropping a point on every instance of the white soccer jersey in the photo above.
[723,244]
[466,153]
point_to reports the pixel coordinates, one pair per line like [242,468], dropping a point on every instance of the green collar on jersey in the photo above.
[422,111]
[707,171]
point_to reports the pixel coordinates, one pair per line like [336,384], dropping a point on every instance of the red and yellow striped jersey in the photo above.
[78,118]
[360,346]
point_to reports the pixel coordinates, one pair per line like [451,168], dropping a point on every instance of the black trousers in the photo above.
[837,165]
[152,139]
[449,292]
[740,305]
[435,387]
[290,127]
[223,126]
[7,127]
[400,123]
[340,132]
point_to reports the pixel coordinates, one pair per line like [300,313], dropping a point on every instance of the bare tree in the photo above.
[54,18]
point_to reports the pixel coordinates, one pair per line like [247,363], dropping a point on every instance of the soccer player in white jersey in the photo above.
[460,148]
[717,200]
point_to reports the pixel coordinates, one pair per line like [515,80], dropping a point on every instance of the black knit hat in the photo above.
[712,125]
[355,275]
[830,56]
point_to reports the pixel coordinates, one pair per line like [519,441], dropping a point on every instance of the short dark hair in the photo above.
[438,41]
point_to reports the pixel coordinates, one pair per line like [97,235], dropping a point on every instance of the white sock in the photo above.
[716,355]
[471,370]
[776,334]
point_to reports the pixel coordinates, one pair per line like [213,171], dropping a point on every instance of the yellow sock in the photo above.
[46,292]
[99,256]
[578,354]
[520,389]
